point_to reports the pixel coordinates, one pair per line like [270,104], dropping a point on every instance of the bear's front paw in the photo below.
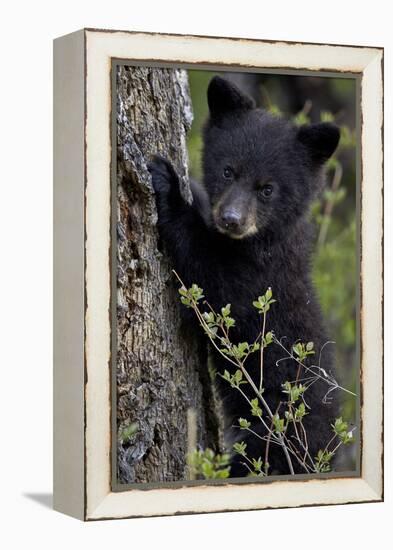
[163,175]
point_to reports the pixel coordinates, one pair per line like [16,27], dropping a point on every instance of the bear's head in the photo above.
[260,171]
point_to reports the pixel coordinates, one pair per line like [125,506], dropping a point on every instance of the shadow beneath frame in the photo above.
[45,499]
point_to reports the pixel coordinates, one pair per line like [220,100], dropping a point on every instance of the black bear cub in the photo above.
[248,230]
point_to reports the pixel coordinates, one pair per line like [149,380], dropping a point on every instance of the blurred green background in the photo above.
[312,99]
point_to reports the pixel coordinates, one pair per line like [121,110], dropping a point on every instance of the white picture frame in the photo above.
[82,206]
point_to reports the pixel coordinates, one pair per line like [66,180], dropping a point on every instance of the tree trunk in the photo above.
[161,372]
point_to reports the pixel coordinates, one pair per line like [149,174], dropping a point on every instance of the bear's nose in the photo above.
[231,218]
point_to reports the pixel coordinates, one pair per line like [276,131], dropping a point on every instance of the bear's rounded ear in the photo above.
[224,97]
[320,139]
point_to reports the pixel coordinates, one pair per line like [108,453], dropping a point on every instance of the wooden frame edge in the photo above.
[69,277]
[98,500]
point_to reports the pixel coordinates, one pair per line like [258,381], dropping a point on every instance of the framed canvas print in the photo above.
[218,274]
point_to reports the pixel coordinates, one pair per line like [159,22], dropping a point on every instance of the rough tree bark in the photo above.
[161,371]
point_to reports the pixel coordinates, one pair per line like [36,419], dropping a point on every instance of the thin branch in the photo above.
[326,377]
[262,352]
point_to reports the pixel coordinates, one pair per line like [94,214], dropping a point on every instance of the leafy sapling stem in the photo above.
[288,430]
[261,353]
[232,353]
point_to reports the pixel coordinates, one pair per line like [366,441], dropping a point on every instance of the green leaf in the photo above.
[257,464]
[303,350]
[229,322]
[226,376]
[128,432]
[196,292]
[240,448]
[244,424]
[294,391]
[297,348]
[301,118]
[225,311]
[209,317]
[208,465]
[322,461]
[207,470]
[278,423]
[255,347]
[263,303]
[222,474]
[268,294]
[274,110]
[347,437]
[300,412]
[268,339]
[340,428]
[238,376]
[326,116]
[212,332]
[185,301]
[240,350]
[255,408]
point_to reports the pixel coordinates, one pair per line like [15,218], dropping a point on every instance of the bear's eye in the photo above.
[228,173]
[266,191]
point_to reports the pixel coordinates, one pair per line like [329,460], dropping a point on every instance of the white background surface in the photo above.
[27,29]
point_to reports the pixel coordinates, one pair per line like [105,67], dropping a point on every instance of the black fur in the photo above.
[267,245]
